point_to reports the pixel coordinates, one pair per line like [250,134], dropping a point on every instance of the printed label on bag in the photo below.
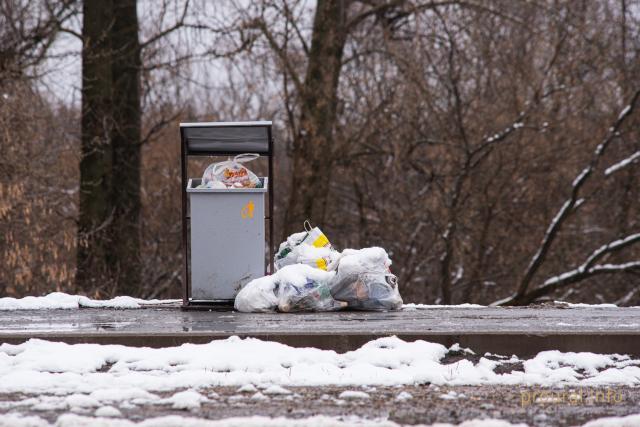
[247,210]
[321,241]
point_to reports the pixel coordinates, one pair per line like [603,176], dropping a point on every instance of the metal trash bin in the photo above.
[223,230]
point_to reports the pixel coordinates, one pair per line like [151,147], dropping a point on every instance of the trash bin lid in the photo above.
[226,138]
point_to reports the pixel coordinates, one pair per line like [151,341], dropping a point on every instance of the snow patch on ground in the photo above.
[108,412]
[188,399]
[72,420]
[276,389]
[135,374]
[353,395]
[628,421]
[247,388]
[60,300]
[403,396]
[582,305]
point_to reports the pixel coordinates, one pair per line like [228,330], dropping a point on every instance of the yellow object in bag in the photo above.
[315,236]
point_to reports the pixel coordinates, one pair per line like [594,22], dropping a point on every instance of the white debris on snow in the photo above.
[187,399]
[353,395]
[60,300]
[108,412]
[412,306]
[403,396]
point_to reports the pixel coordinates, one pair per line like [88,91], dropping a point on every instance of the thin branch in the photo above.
[622,163]
[568,206]
[179,24]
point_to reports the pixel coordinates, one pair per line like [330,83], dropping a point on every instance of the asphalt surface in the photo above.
[521,331]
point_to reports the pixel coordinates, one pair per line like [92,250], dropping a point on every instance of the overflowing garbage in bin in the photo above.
[313,276]
[231,174]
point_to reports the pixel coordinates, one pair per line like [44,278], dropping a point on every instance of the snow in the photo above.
[353,395]
[452,395]
[72,420]
[403,396]
[623,163]
[108,411]
[624,112]
[60,300]
[247,388]
[581,305]
[81,401]
[136,374]
[259,396]
[188,399]
[412,306]
[628,421]
[276,389]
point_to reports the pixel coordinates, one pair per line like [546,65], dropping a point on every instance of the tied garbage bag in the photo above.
[310,247]
[364,282]
[231,174]
[312,296]
[296,287]
[258,296]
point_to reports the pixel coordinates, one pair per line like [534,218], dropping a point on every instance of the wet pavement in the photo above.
[521,331]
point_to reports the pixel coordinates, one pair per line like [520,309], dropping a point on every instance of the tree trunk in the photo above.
[313,146]
[125,67]
[95,165]
[109,236]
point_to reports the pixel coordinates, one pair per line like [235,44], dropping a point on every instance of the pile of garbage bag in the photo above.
[231,174]
[311,275]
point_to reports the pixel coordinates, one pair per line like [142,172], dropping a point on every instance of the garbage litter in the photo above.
[312,276]
[231,174]
[364,281]
[309,247]
[296,287]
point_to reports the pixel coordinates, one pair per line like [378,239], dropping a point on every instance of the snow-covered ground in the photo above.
[16,420]
[91,380]
[38,366]
[60,300]
[72,420]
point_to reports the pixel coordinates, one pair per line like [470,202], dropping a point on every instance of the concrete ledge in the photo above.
[520,331]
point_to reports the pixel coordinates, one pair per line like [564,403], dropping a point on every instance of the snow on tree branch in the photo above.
[568,207]
[588,268]
[622,163]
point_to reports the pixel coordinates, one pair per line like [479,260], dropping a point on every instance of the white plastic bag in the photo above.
[257,296]
[304,288]
[309,247]
[295,287]
[231,173]
[364,281]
